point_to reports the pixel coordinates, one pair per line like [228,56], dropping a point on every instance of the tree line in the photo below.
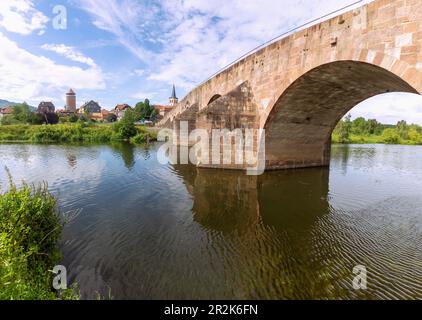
[362,130]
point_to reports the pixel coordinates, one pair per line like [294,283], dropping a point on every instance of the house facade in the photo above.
[46,107]
[90,107]
[5,111]
[120,110]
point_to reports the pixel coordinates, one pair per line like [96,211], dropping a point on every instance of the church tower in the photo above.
[173,100]
[70,101]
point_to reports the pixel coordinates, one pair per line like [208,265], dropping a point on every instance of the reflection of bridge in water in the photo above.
[268,225]
[229,201]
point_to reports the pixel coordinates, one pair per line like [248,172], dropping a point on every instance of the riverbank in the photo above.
[374,139]
[30,229]
[74,132]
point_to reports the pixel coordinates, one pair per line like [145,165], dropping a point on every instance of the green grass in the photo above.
[30,228]
[371,139]
[69,132]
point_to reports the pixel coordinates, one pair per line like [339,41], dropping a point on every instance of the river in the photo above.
[151,231]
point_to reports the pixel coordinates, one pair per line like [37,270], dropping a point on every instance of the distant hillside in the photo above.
[4,103]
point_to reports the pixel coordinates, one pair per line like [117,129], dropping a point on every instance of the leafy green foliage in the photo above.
[343,130]
[144,110]
[125,128]
[143,137]
[391,136]
[22,113]
[30,228]
[371,131]
[72,132]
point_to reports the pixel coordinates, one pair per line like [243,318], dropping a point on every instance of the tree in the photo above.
[51,118]
[73,118]
[144,110]
[391,136]
[414,135]
[373,126]
[153,115]
[21,112]
[36,118]
[402,129]
[126,128]
[359,126]
[344,129]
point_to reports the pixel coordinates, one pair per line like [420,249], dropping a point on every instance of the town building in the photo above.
[99,116]
[163,110]
[46,107]
[120,110]
[6,111]
[173,101]
[70,101]
[90,107]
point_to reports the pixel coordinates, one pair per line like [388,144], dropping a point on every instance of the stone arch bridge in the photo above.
[299,87]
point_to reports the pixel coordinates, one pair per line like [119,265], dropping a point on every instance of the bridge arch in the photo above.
[299,126]
[214,98]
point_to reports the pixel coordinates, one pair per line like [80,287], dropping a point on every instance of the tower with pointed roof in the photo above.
[70,101]
[173,100]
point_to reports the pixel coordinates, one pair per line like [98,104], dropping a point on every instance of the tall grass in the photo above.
[30,228]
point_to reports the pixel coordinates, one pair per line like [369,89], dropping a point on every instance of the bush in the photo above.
[125,128]
[391,136]
[9,120]
[140,138]
[30,229]
[73,118]
[71,132]
[415,136]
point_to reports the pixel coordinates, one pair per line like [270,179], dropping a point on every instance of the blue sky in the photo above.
[123,51]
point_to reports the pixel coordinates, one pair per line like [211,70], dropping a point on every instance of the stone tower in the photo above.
[173,100]
[71,101]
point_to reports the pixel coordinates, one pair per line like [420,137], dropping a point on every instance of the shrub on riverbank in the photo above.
[30,229]
[365,131]
[70,132]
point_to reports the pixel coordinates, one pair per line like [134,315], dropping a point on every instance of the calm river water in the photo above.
[151,231]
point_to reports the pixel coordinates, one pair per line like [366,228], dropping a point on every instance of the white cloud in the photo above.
[185,41]
[139,72]
[144,95]
[389,108]
[20,16]
[70,53]
[127,20]
[37,78]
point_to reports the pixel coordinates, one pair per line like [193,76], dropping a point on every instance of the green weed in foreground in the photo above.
[30,228]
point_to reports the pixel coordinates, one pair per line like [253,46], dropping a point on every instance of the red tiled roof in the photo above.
[122,107]
[6,110]
[163,108]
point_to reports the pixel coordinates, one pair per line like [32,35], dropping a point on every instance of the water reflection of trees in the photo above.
[127,152]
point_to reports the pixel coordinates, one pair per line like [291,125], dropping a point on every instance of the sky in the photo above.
[123,51]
